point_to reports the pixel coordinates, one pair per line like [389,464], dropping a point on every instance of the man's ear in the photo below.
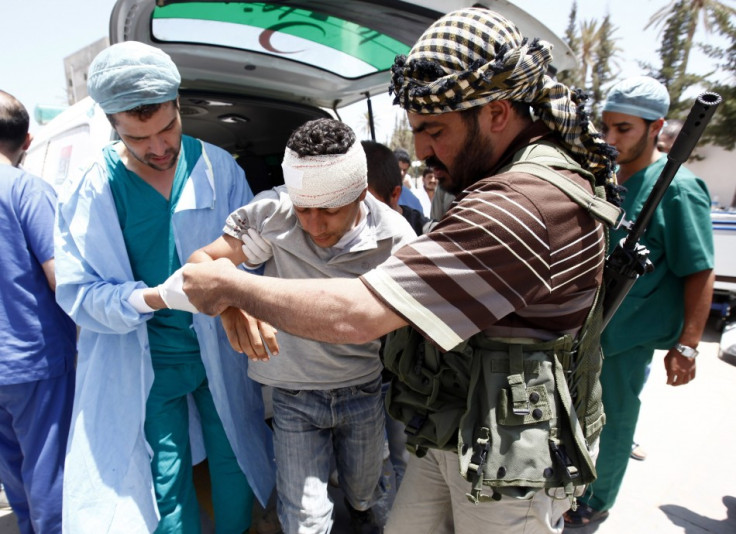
[656,127]
[27,142]
[498,113]
[395,194]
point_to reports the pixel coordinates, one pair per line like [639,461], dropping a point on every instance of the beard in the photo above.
[635,151]
[471,163]
[146,159]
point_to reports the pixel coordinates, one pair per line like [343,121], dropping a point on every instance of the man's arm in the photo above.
[48,270]
[245,333]
[224,246]
[697,300]
[337,310]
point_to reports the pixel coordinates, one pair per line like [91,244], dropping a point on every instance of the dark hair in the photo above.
[142,112]
[648,123]
[321,137]
[14,122]
[427,170]
[402,155]
[383,170]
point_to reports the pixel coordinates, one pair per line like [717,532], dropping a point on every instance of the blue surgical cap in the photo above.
[130,74]
[640,96]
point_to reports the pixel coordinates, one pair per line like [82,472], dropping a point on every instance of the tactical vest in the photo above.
[521,417]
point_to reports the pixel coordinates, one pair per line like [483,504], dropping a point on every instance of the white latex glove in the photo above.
[173,295]
[255,248]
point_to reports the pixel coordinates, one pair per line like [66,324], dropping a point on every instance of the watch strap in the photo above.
[688,352]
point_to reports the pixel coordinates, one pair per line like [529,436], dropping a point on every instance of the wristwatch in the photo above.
[686,351]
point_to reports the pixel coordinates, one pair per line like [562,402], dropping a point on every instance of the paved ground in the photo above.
[688,482]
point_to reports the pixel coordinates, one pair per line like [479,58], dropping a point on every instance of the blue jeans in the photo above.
[310,426]
[396,436]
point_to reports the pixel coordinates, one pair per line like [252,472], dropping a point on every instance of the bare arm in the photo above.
[224,246]
[338,310]
[245,333]
[698,295]
[48,270]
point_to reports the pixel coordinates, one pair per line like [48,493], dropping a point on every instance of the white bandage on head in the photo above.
[329,181]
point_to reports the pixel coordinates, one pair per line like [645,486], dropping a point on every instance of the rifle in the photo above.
[630,259]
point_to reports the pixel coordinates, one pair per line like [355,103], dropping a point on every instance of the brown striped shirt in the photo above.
[514,257]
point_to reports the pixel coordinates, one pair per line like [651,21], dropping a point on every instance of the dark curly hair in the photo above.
[321,137]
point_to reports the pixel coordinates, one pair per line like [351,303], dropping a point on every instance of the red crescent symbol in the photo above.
[264,39]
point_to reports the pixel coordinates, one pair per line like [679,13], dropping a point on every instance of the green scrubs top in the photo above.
[680,240]
[145,219]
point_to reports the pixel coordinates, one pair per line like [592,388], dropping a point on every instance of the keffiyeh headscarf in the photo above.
[474,56]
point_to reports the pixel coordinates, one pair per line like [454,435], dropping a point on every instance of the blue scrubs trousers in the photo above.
[34,426]
[167,432]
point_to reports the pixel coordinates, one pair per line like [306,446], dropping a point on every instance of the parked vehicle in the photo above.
[252,72]
[724,290]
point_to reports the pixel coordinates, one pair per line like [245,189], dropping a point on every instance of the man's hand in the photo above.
[204,284]
[248,335]
[172,294]
[257,250]
[680,370]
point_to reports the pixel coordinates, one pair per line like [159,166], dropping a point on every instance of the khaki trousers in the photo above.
[432,500]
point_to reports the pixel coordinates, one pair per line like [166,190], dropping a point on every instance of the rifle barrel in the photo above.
[700,114]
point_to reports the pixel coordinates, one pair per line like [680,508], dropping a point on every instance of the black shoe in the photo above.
[362,521]
[583,516]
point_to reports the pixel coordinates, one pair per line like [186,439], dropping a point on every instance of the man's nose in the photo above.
[313,222]
[157,145]
[422,148]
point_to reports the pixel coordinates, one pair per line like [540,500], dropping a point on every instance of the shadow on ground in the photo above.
[694,523]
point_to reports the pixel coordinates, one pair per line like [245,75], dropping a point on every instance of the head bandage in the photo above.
[130,74]
[327,181]
[474,56]
[640,96]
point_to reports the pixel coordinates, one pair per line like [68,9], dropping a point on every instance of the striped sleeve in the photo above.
[507,253]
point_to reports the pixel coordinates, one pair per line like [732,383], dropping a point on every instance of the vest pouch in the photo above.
[429,390]
[519,433]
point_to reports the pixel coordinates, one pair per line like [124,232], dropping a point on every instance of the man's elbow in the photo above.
[199,256]
[357,332]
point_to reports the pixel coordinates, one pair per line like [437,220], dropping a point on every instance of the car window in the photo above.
[314,38]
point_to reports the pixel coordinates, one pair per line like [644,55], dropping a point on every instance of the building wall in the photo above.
[718,169]
[76,66]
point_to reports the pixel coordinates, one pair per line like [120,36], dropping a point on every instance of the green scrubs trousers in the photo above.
[167,432]
[622,378]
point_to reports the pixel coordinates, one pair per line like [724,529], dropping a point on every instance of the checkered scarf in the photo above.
[474,56]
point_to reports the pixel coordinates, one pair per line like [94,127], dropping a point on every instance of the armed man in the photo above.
[495,295]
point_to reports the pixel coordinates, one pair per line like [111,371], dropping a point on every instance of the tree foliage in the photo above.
[679,21]
[402,136]
[572,77]
[595,48]
[602,72]
[721,130]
